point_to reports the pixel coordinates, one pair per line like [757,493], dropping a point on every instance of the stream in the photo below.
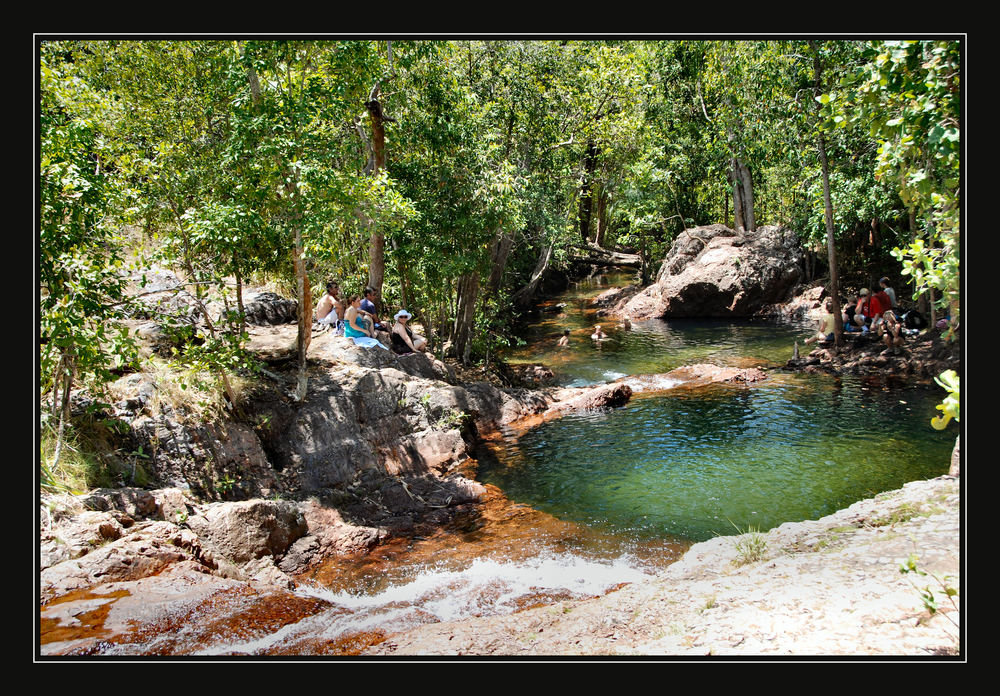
[580,505]
[584,503]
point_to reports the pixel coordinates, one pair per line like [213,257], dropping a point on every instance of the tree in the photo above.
[292,121]
[912,96]
[80,261]
[838,320]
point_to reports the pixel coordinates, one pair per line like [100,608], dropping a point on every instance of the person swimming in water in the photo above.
[598,334]
[564,339]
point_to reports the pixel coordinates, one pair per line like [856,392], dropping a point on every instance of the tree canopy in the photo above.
[448,172]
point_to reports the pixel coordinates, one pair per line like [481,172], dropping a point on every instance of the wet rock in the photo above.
[604,396]
[329,534]
[825,587]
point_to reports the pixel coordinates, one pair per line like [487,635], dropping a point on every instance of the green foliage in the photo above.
[237,157]
[907,95]
[86,461]
[80,266]
[927,597]
[950,407]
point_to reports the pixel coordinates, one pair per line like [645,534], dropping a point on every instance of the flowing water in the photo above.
[581,504]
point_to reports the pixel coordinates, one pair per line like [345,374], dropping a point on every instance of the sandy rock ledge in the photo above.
[825,587]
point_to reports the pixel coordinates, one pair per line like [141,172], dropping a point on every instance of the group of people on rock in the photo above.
[871,312]
[357,319]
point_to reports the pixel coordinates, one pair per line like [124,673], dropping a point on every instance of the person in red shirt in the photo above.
[880,302]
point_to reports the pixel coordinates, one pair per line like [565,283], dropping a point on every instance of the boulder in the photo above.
[244,531]
[590,399]
[268,309]
[713,271]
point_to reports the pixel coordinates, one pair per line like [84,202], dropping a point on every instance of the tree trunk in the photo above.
[522,298]
[743,201]
[239,294]
[304,336]
[69,365]
[838,320]
[498,262]
[586,190]
[602,218]
[376,248]
[468,293]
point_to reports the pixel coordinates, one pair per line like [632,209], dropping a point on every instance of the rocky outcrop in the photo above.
[268,308]
[830,586]
[713,271]
[919,359]
[591,399]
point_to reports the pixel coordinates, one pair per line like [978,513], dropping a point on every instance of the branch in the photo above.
[702,100]
[563,144]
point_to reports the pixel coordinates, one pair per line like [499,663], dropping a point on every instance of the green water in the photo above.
[691,464]
[651,346]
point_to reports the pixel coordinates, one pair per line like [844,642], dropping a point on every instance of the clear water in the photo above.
[651,346]
[701,463]
[695,463]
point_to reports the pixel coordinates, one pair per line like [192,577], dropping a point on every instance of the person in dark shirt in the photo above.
[368,309]
[402,339]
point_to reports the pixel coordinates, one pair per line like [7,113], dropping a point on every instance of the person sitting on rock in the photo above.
[330,309]
[890,330]
[402,339]
[826,325]
[598,334]
[884,283]
[854,321]
[355,328]
[368,310]
[564,339]
[863,305]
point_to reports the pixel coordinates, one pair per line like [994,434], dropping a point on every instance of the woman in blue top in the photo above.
[354,328]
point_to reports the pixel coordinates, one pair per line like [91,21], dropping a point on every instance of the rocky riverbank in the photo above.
[830,587]
[243,507]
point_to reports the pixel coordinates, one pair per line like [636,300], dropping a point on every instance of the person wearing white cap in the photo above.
[402,339]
